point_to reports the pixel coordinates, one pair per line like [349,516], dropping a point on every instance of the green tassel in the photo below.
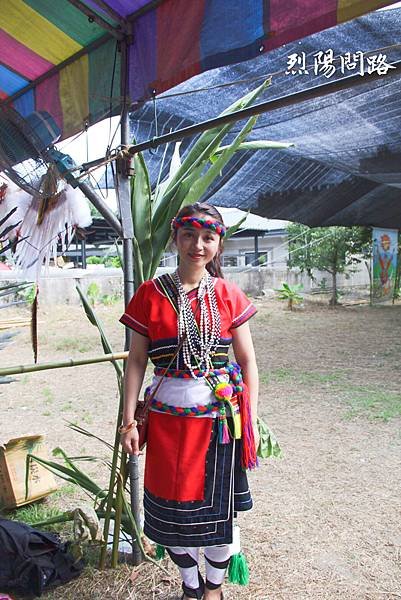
[160,552]
[238,571]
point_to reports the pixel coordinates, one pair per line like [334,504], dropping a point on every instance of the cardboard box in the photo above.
[13,465]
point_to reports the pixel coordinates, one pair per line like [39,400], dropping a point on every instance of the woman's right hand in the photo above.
[130,442]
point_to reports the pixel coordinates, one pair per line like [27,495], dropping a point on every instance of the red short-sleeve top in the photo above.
[151,313]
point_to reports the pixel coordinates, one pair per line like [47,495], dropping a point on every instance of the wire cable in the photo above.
[312,243]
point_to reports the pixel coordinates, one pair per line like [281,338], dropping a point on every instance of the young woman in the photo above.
[202,430]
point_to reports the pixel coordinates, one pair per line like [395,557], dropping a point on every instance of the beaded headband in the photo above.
[199,223]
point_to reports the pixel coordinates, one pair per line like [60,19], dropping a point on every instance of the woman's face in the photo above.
[196,247]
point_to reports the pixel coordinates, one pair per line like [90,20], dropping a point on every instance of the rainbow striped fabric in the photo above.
[66,60]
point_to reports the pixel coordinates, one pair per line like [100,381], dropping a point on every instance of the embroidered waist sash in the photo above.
[231,396]
[185,411]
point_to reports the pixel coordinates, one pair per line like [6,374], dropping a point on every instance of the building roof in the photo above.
[231,216]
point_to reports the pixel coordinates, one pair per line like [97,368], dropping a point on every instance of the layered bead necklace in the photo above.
[201,342]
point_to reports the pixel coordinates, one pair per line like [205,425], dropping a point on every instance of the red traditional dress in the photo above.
[193,483]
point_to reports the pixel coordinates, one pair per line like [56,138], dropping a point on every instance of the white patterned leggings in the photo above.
[187,561]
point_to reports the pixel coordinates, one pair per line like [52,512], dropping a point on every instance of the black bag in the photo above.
[32,560]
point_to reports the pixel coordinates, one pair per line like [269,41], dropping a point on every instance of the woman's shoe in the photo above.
[221,596]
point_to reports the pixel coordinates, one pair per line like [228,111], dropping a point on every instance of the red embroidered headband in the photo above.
[199,223]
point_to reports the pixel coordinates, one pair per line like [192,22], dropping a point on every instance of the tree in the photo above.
[330,249]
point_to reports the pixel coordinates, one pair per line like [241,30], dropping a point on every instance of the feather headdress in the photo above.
[47,218]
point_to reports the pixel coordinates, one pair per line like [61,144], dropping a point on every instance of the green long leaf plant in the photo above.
[188,180]
[152,212]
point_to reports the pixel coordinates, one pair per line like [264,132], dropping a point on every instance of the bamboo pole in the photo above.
[67,517]
[127,520]
[70,362]
[11,323]
[112,483]
[118,511]
[124,191]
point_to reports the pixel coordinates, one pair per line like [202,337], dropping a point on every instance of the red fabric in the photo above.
[248,458]
[48,98]
[150,312]
[176,456]
[178,45]
[136,315]
[304,17]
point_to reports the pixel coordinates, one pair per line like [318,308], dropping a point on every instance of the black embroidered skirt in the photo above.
[206,522]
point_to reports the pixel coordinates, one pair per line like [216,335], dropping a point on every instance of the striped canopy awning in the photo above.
[63,56]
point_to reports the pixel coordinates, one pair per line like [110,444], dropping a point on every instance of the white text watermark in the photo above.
[324,63]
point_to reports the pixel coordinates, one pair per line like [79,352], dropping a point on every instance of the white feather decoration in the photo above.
[14,197]
[66,211]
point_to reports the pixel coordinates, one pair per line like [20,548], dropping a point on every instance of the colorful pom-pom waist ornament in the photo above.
[231,396]
[199,223]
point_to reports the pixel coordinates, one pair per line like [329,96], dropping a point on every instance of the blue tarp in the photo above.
[345,167]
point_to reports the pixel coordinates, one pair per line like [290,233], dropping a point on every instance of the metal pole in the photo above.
[102,207]
[63,364]
[94,16]
[83,253]
[124,193]
[318,91]
[76,259]
[256,240]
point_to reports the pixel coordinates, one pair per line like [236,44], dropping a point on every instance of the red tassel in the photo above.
[224,437]
[248,459]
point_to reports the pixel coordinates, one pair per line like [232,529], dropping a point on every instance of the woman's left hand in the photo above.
[256,434]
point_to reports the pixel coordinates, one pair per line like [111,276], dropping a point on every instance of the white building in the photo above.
[259,241]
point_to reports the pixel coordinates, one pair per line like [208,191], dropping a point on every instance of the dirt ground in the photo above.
[326,522]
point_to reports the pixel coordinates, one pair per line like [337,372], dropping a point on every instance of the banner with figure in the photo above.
[385,246]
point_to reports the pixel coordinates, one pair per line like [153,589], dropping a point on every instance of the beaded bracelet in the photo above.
[127,428]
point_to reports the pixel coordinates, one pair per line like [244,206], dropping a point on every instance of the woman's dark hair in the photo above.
[214,266]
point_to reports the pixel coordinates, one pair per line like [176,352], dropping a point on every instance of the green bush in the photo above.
[113,261]
[107,261]
[95,260]
[290,294]
[93,292]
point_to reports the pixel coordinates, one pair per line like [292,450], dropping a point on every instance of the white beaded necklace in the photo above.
[200,342]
